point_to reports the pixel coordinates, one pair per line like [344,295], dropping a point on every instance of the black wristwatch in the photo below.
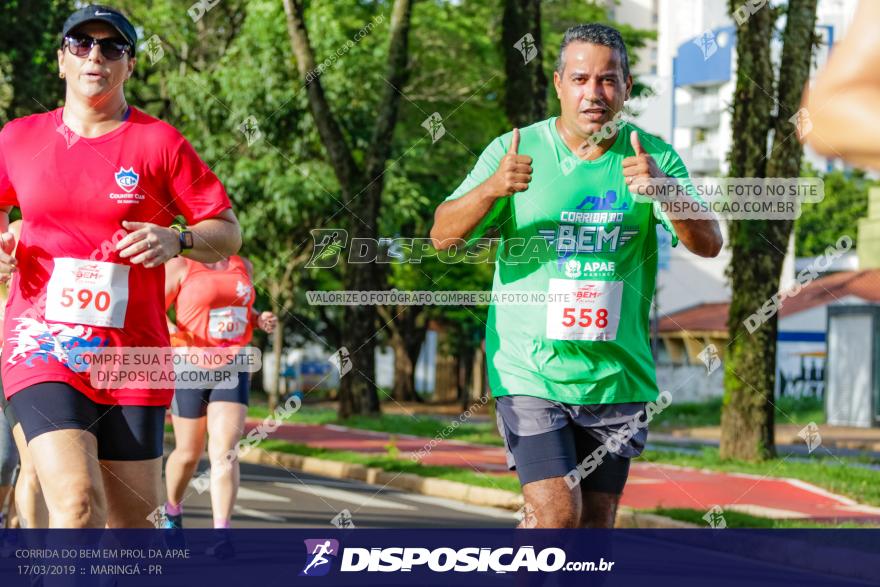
[184,238]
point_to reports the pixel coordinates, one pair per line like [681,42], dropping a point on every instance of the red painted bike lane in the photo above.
[650,485]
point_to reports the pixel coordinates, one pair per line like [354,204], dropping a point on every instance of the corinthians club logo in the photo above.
[127,179]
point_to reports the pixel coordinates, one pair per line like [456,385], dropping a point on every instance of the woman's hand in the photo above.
[8,263]
[148,244]
[267,321]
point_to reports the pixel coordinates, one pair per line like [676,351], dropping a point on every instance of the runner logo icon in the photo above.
[127,179]
[319,556]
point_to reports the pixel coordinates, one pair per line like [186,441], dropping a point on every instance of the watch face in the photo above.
[186,237]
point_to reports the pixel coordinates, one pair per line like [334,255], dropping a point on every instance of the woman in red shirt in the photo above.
[99,185]
[213,307]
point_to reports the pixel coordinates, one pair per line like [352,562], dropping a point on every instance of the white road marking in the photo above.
[359,499]
[764,511]
[459,506]
[633,480]
[257,514]
[255,495]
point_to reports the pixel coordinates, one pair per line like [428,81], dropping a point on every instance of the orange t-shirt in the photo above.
[214,306]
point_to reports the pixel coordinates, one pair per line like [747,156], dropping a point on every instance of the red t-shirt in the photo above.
[74,193]
[213,307]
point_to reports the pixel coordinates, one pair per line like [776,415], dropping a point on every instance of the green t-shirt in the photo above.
[578,237]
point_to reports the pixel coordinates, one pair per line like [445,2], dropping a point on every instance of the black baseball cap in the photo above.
[99,12]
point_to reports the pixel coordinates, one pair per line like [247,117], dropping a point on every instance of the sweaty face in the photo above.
[591,88]
[94,75]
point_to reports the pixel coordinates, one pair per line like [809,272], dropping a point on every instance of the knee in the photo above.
[559,513]
[222,451]
[28,481]
[188,457]
[565,517]
[599,510]
[81,505]
[223,461]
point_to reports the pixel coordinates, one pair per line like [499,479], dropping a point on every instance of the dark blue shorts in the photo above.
[193,403]
[546,439]
[124,433]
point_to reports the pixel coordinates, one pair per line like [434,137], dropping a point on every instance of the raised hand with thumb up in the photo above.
[8,263]
[639,169]
[514,172]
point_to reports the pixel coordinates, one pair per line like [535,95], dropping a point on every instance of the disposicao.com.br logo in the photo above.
[442,560]
[320,554]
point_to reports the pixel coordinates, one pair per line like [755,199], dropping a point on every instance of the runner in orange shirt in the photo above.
[214,307]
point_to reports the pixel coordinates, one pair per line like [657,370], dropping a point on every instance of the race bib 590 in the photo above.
[87,292]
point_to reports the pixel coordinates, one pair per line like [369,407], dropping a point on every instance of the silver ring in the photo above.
[149,246]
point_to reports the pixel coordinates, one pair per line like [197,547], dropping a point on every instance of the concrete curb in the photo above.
[472,494]
[483,496]
[711,436]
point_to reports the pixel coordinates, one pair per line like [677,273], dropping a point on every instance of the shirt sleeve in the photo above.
[672,165]
[8,197]
[196,191]
[483,170]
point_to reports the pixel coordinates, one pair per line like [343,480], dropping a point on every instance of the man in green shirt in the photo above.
[573,374]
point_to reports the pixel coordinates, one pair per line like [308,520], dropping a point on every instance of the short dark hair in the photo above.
[597,34]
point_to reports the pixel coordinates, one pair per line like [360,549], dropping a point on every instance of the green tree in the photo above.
[763,100]
[28,72]
[215,78]
[361,182]
[845,202]
[457,73]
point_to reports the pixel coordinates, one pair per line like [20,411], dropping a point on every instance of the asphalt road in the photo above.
[277,498]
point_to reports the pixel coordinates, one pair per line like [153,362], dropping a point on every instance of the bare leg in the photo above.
[67,466]
[600,509]
[29,501]
[134,492]
[552,504]
[225,428]
[189,445]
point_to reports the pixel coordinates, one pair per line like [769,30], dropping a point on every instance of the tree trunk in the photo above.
[278,351]
[478,374]
[465,377]
[525,100]
[759,246]
[361,191]
[407,335]
[404,372]
[406,355]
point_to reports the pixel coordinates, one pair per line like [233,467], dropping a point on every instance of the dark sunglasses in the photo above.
[112,49]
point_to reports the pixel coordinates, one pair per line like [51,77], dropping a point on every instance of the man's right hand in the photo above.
[7,260]
[514,172]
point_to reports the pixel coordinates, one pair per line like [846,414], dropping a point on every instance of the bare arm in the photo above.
[8,241]
[842,106]
[175,272]
[152,245]
[457,219]
[267,320]
[701,237]
[215,238]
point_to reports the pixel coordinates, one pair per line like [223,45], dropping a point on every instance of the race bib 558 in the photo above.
[583,310]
